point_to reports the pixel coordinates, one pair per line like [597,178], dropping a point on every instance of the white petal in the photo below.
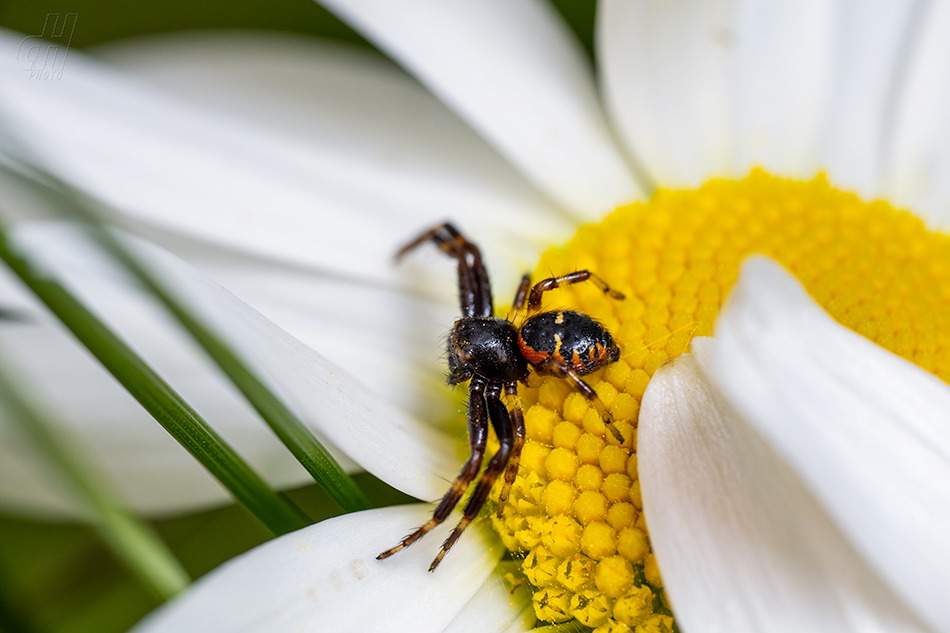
[742,545]
[326,157]
[918,170]
[873,42]
[706,89]
[866,431]
[30,484]
[496,607]
[514,71]
[389,339]
[782,71]
[665,74]
[326,578]
[398,448]
[392,445]
[152,472]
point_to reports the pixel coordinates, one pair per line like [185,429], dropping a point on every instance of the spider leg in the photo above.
[518,312]
[501,422]
[478,436]
[517,423]
[474,288]
[521,296]
[534,299]
[555,367]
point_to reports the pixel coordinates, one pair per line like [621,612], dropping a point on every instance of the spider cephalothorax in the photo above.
[495,355]
[486,347]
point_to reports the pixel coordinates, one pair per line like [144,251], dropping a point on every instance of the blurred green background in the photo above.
[58,577]
[107,20]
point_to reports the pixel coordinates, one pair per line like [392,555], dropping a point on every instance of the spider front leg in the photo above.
[534,298]
[474,288]
[521,295]
[478,437]
[553,366]
[501,422]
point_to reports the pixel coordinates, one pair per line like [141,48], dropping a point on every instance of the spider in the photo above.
[496,354]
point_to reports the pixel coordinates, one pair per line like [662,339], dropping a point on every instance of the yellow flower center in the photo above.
[574,512]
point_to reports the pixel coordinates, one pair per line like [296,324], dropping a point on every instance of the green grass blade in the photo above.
[294,434]
[308,450]
[158,397]
[131,540]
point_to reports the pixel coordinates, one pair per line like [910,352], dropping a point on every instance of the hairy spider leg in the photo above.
[501,422]
[519,305]
[553,366]
[534,298]
[474,289]
[478,437]
[516,413]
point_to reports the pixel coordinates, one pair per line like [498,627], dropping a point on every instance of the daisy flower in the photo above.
[793,469]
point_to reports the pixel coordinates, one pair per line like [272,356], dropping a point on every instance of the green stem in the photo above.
[132,540]
[158,397]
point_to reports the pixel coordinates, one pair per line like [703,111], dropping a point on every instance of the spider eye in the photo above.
[464,353]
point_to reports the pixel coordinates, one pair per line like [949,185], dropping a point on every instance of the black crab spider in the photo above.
[495,355]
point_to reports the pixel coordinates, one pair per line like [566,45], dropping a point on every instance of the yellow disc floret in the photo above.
[558,497]
[635,606]
[561,463]
[562,536]
[590,607]
[576,572]
[575,511]
[598,540]
[553,604]
[633,544]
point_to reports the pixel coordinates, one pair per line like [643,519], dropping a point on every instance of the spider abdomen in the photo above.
[581,342]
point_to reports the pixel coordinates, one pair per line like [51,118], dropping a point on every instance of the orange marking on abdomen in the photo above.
[576,361]
[532,355]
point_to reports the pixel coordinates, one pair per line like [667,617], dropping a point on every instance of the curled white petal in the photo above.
[514,71]
[390,339]
[866,431]
[496,607]
[741,544]
[326,578]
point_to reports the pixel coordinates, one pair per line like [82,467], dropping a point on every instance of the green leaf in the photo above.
[157,396]
[132,540]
